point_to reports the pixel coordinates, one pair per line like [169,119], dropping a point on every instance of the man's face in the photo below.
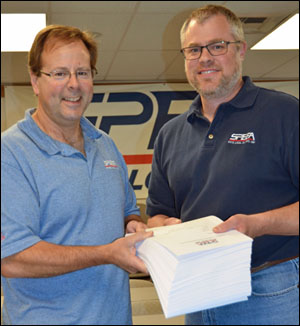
[64,101]
[214,77]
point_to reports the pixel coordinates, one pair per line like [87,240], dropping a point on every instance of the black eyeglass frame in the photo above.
[206,46]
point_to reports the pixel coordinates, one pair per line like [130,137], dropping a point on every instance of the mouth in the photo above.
[72,99]
[208,71]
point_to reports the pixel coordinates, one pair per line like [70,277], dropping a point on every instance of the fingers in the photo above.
[138,263]
[171,221]
[239,222]
[225,226]
[139,266]
[140,227]
[221,228]
[135,264]
[135,226]
[140,236]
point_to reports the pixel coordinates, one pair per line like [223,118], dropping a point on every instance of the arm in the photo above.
[162,220]
[45,259]
[280,221]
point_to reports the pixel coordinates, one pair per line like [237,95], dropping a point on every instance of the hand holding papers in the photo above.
[194,268]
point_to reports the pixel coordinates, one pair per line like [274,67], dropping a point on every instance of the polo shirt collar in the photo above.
[47,143]
[244,99]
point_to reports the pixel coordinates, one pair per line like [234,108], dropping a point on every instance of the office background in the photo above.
[139,55]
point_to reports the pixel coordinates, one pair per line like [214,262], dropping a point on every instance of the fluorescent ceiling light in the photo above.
[19,30]
[285,37]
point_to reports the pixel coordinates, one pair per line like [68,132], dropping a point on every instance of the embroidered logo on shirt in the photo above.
[109,164]
[247,138]
[2,236]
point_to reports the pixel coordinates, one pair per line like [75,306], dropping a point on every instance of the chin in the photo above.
[72,116]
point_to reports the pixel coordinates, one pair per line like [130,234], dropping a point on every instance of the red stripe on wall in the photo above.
[138,159]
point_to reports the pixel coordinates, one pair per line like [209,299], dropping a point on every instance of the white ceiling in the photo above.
[139,40]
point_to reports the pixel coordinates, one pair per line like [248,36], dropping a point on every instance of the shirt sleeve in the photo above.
[160,196]
[19,210]
[130,205]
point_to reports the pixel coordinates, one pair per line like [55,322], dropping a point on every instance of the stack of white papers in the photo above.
[194,268]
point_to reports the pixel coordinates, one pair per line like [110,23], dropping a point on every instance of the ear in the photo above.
[243,50]
[34,83]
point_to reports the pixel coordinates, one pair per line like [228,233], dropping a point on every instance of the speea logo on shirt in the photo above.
[109,164]
[247,138]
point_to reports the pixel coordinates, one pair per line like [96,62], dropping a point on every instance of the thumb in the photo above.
[224,226]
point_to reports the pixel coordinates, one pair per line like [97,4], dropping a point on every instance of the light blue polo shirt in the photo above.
[52,192]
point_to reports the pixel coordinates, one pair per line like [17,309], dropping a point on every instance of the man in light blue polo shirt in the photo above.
[65,199]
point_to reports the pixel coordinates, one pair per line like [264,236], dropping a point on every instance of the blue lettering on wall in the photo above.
[146,114]
[164,100]
[132,179]
[97,97]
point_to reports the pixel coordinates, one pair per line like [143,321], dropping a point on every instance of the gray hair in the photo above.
[201,14]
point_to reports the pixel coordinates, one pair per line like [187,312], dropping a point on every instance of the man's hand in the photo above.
[123,253]
[172,221]
[279,221]
[162,220]
[240,222]
[134,223]
[135,226]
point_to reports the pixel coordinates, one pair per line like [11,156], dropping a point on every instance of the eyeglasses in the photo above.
[63,75]
[214,49]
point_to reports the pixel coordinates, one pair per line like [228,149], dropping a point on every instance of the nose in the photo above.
[73,80]
[205,56]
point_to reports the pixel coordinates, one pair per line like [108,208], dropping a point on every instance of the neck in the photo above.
[211,104]
[70,134]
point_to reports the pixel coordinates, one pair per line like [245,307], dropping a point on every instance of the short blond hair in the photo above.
[67,34]
[201,14]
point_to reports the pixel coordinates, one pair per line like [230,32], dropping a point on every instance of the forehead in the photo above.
[212,29]
[54,44]
[60,50]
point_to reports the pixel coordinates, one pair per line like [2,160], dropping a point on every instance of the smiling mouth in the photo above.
[204,72]
[72,99]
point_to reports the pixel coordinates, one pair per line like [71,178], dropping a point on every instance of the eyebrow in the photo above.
[210,42]
[65,68]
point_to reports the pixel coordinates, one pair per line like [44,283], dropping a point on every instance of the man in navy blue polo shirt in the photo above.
[234,154]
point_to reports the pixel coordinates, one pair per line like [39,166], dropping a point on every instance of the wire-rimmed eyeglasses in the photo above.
[62,74]
[214,49]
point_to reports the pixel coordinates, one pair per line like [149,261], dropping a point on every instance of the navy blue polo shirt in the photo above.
[245,162]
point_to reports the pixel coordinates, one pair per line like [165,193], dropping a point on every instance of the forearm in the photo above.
[45,259]
[281,221]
